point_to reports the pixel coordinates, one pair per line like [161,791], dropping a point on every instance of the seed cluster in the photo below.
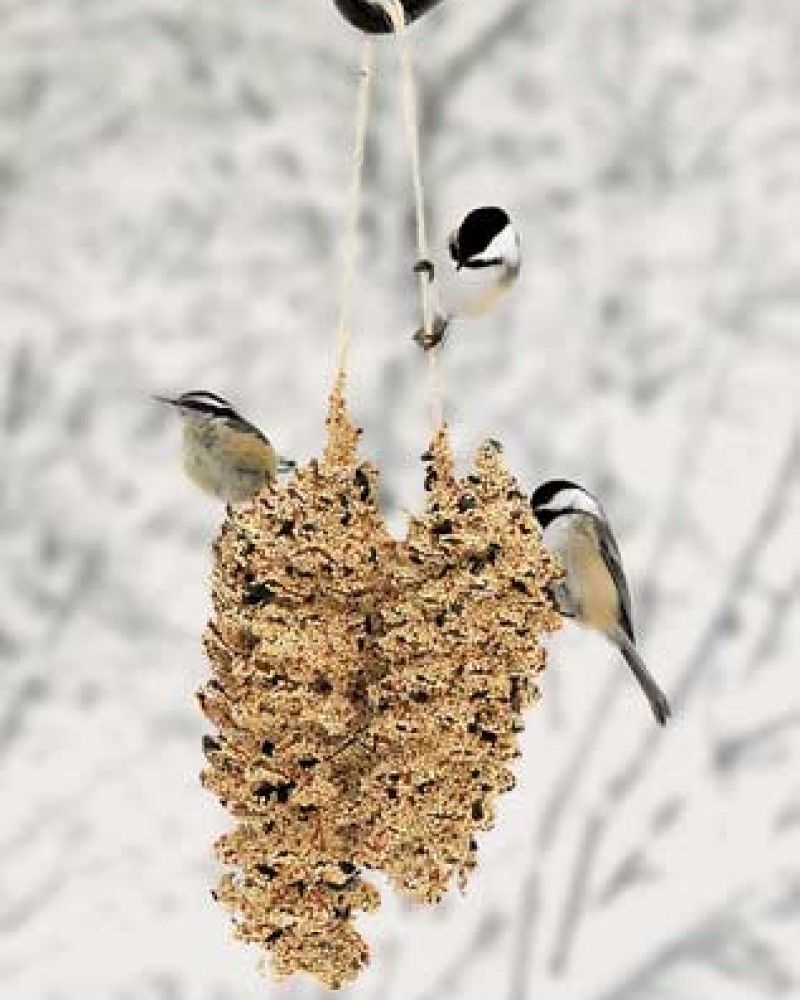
[367,693]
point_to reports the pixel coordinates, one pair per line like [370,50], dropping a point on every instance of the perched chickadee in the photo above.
[594,591]
[487,246]
[224,454]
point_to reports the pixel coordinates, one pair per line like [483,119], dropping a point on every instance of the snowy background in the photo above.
[172,185]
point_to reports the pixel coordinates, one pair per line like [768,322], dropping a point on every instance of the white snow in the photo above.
[172,184]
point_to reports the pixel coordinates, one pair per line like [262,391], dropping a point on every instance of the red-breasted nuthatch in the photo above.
[486,257]
[224,454]
[594,591]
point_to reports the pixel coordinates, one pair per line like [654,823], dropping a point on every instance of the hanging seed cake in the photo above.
[365,693]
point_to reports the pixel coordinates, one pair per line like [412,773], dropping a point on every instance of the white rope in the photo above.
[395,11]
[353,218]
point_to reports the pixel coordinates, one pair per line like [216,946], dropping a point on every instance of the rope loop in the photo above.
[353,220]
[395,13]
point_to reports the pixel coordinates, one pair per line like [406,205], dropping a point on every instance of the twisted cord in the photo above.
[394,9]
[353,217]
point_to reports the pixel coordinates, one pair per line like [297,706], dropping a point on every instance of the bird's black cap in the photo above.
[477,231]
[543,494]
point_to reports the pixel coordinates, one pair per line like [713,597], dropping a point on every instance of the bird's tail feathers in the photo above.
[653,693]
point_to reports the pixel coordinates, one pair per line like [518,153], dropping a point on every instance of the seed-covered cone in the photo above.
[367,693]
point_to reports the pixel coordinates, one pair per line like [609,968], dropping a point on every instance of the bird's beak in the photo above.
[452,246]
[166,399]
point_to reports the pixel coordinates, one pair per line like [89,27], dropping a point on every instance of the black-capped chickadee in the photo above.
[486,257]
[224,454]
[594,591]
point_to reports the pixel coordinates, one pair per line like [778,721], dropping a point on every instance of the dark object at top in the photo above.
[476,233]
[370,18]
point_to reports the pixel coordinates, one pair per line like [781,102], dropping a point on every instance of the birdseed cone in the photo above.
[366,693]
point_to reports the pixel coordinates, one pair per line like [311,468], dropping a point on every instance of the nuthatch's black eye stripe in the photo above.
[210,408]
[204,396]
[206,402]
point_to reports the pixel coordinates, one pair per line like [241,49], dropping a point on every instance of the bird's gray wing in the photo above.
[240,424]
[613,560]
